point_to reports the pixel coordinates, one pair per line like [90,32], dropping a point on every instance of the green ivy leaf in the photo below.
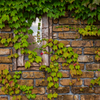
[55,79]
[49,79]
[60,45]
[55,95]
[50,96]
[56,85]
[53,74]
[59,75]
[55,47]
[55,42]
[71,67]
[3,41]
[50,84]
[30,31]
[38,59]
[27,64]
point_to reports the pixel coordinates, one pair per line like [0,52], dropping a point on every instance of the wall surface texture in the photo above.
[84,46]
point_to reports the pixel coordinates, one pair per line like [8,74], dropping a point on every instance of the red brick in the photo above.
[87,81]
[97,43]
[5,60]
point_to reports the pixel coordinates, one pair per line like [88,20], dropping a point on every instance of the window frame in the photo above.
[19,63]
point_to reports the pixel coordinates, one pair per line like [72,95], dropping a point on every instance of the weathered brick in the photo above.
[68,21]
[77,50]
[5,60]
[5,51]
[33,75]
[41,82]
[23,97]
[77,90]
[55,36]
[41,97]
[55,21]
[67,67]
[59,90]
[3,98]
[6,28]
[38,90]
[90,50]
[65,74]
[97,73]
[97,90]
[90,97]
[87,81]
[85,58]
[65,97]
[92,66]
[97,43]
[86,74]
[82,43]
[69,35]
[26,82]
[68,81]
[60,29]
[61,60]
[66,43]
[4,66]
[91,37]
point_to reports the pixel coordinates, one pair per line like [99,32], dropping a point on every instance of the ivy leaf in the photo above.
[60,45]
[27,64]
[16,55]
[8,77]
[59,75]
[50,44]
[50,84]
[55,95]
[5,71]
[53,74]
[33,96]
[49,79]
[55,47]
[50,96]
[17,46]
[30,31]
[55,79]
[99,17]
[17,91]
[3,41]
[31,60]
[64,49]
[8,40]
[92,81]
[69,61]
[55,42]
[56,85]
[70,49]
[75,55]
[77,67]
[48,70]
[71,67]
[59,52]
[38,59]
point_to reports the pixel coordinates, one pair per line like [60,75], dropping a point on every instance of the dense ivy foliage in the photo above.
[19,15]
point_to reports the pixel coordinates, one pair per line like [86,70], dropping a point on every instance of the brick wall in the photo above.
[84,46]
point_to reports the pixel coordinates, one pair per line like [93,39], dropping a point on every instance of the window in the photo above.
[46,32]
